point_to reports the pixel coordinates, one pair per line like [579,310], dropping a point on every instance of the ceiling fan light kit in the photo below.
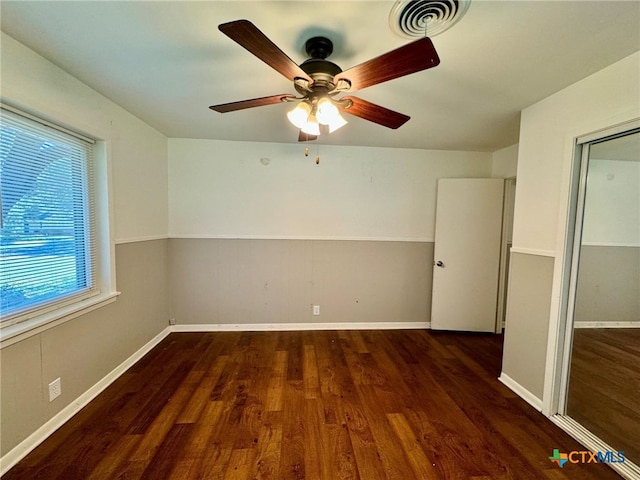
[320,82]
[308,116]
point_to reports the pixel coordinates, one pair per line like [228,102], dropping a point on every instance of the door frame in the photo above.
[507,228]
[561,334]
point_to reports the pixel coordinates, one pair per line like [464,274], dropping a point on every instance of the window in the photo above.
[47,229]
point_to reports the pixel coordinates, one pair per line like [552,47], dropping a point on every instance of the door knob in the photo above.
[439,264]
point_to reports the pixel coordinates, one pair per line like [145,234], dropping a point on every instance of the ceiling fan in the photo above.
[320,82]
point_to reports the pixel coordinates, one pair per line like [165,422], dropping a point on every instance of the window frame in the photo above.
[19,326]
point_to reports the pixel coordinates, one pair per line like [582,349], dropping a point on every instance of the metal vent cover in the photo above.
[422,18]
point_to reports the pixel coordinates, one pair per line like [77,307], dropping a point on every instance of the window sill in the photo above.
[12,334]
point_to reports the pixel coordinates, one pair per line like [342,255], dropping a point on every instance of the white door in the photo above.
[467,254]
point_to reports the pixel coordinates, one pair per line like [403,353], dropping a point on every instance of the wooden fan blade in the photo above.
[374,113]
[254,102]
[247,35]
[411,58]
[305,137]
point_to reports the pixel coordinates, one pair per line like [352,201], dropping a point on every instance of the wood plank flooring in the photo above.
[604,387]
[310,405]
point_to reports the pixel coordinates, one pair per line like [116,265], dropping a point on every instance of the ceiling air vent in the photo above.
[421,18]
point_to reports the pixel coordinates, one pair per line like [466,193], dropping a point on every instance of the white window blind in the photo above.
[47,251]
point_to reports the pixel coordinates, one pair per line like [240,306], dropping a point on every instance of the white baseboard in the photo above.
[522,392]
[606,324]
[284,327]
[36,438]
[627,469]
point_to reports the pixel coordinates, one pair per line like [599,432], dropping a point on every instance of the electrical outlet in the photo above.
[172,321]
[55,389]
[316,309]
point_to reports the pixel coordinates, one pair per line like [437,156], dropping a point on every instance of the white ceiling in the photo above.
[166,62]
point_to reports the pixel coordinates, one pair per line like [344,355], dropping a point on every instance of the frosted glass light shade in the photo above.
[311,126]
[299,115]
[327,111]
[328,114]
[337,123]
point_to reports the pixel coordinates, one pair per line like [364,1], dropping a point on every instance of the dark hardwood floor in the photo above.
[604,386]
[310,405]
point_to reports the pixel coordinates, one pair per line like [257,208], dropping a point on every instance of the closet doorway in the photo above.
[601,380]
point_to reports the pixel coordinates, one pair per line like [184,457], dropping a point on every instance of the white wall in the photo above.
[140,181]
[612,204]
[221,189]
[137,151]
[505,162]
[545,155]
[84,349]
[547,134]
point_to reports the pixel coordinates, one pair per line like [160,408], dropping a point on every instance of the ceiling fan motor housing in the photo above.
[317,66]
[318,47]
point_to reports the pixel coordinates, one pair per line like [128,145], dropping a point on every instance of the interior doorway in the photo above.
[505,251]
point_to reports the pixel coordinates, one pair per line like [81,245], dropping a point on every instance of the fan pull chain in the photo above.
[306,153]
